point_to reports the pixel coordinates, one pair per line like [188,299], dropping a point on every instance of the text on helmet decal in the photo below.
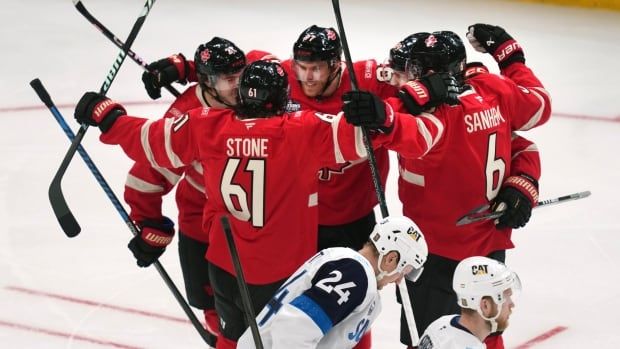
[414,233]
[481,269]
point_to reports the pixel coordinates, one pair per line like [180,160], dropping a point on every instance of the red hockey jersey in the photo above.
[460,161]
[262,172]
[346,191]
[146,185]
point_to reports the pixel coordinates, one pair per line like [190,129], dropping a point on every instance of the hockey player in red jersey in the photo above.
[346,197]
[218,64]
[261,166]
[462,158]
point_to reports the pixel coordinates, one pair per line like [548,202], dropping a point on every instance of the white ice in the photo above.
[567,256]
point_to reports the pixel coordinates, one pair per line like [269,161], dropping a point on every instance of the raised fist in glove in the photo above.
[429,91]
[164,72]
[517,197]
[96,109]
[362,108]
[152,241]
[494,40]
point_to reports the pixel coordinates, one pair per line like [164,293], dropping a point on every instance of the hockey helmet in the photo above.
[263,90]
[400,234]
[400,53]
[318,44]
[440,51]
[218,56]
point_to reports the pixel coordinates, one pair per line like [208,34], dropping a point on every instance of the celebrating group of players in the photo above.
[276,146]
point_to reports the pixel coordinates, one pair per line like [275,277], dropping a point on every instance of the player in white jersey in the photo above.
[332,299]
[485,289]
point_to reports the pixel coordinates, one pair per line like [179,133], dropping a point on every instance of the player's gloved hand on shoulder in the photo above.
[362,108]
[152,241]
[429,91]
[517,197]
[494,40]
[96,109]
[164,72]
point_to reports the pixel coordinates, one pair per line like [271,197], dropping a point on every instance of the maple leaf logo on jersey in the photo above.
[430,41]
[331,35]
[205,55]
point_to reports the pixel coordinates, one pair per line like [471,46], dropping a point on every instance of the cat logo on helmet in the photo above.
[415,234]
[430,41]
[482,269]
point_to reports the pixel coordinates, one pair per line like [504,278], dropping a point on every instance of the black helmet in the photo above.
[399,54]
[263,90]
[218,56]
[318,44]
[441,51]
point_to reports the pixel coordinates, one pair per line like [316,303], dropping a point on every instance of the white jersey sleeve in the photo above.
[447,333]
[329,302]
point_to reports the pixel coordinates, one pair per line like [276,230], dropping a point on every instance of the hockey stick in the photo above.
[66,219]
[243,286]
[372,162]
[108,34]
[47,100]
[481,214]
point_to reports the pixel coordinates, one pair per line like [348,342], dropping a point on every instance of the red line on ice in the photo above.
[95,304]
[55,333]
[543,337]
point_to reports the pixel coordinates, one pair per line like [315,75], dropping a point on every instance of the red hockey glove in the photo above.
[96,109]
[152,240]
[362,108]
[517,197]
[164,72]
[494,40]
[428,92]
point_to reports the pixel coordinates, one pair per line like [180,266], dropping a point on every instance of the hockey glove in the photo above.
[96,109]
[517,197]
[164,72]
[152,240]
[362,108]
[428,92]
[494,40]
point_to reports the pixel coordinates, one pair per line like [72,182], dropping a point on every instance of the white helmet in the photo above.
[400,234]
[478,277]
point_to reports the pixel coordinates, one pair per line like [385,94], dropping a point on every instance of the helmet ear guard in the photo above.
[400,234]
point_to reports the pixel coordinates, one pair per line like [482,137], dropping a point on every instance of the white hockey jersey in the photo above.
[447,333]
[329,302]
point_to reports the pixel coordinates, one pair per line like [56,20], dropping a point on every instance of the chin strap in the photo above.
[492,320]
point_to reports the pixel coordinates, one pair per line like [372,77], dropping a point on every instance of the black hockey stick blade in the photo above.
[482,214]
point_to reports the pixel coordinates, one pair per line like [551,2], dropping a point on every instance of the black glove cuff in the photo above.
[515,57]
[109,120]
[410,104]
